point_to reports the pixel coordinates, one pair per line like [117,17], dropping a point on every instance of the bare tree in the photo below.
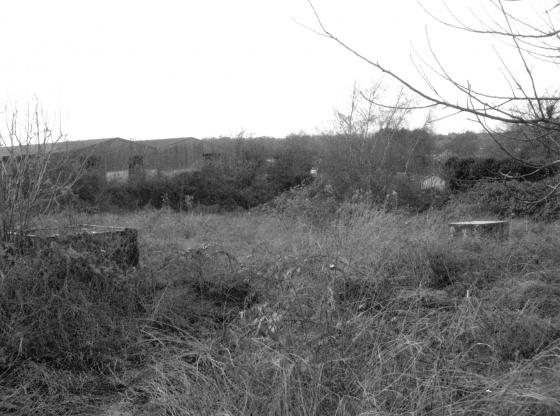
[525,113]
[34,173]
[365,115]
[370,146]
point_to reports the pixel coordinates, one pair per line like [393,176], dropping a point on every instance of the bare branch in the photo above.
[489,31]
[509,118]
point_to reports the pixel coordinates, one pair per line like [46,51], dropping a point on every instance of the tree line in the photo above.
[251,171]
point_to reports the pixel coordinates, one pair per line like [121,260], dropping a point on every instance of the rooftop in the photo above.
[57,147]
[159,143]
[74,145]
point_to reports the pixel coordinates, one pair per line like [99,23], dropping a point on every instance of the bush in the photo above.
[88,187]
[466,173]
[514,198]
[353,163]
[410,196]
[314,203]
[230,186]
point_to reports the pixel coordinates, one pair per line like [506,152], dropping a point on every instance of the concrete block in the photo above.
[480,229]
[117,244]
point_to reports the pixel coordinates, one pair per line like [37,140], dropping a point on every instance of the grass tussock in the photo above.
[364,312]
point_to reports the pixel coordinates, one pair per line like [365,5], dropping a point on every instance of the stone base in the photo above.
[480,229]
[117,244]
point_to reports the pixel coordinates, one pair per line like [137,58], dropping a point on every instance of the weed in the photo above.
[368,313]
[516,335]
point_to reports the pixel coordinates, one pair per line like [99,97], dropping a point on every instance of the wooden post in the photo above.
[489,229]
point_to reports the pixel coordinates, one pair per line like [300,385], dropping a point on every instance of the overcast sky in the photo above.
[156,69]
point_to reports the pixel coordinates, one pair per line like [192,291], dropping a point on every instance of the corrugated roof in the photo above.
[159,143]
[63,147]
[59,147]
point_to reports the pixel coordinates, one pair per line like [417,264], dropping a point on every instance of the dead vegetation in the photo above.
[367,313]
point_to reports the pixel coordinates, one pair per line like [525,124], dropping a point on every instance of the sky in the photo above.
[145,69]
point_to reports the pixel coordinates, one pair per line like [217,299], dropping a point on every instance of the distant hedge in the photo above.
[465,173]
[514,199]
[229,187]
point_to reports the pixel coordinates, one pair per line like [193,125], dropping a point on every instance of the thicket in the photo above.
[503,188]
[353,164]
[512,199]
[233,181]
[387,165]
[467,172]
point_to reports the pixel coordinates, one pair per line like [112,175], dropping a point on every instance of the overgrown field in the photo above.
[357,312]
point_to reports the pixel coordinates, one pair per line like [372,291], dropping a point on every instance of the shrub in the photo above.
[353,163]
[230,186]
[410,196]
[314,203]
[514,198]
[33,176]
[88,187]
[466,173]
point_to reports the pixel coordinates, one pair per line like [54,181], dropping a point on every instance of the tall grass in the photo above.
[365,312]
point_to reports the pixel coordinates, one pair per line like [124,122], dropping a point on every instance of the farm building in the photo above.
[118,159]
[178,155]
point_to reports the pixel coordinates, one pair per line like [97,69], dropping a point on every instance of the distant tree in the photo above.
[464,144]
[405,150]
[292,161]
[371,145]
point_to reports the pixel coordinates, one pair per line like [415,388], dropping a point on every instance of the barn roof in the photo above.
[67,146]
[58,147]
[160,143]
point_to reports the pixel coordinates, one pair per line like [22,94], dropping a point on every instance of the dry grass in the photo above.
[369,313]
